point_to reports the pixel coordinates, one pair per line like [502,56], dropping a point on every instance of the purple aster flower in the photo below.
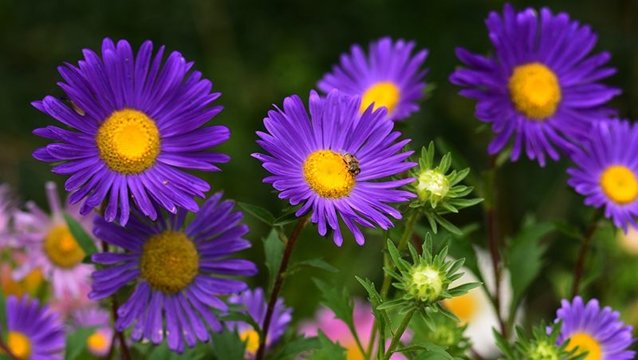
[332,159]
[51,247]
[255,304]
[135,125]
[541,89]
[179,271]
[595,330]
[99,340]
[33,331]
[390,76]
[606,171]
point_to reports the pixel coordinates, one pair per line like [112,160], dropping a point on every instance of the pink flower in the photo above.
[338,332]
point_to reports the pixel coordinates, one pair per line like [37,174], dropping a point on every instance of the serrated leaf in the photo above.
[524,258]
[327,350]
[258,212]
[273,251]
[81,237]
[338,300]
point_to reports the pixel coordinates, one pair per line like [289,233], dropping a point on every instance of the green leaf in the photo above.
[228,346]
[76,344]
[273,250]
[291,348]
[338,300]
[79,234]
[328,350]
[288,216]
[524,258]
[258,212]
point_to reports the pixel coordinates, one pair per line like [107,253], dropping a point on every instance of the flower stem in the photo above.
[4,349]
[279,280]
[494,243]
[584,249]
[397,335]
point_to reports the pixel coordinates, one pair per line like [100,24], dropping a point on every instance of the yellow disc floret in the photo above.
[585,342]
[61,248]
[169,261]
[251,338]
[327,174]
[19,345]
[464,306]
[619,183]
[382,93]
[535,90]
[128,141]
[98,343]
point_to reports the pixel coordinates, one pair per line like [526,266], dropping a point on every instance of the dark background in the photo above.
[257,52]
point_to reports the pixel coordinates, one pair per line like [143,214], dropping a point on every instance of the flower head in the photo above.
[606,171]
[51,248]
[542,87]
[599,331]
[33,332]
[99,340]
[135,126]
[390,76]
[179,271]
[255,305]
[332,162]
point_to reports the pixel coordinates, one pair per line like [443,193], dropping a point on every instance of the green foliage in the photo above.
[438,331]
[524,258]
[541,344]
[76,344]
[327,350]
[228,346]
[273,250]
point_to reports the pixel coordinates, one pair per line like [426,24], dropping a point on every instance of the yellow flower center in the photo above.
[30,284]
[327,173]
[251,338]
[353,352]
[19,344]
[464,306]
[535,90]
[62,249]
[98,343]
[619,184]
[128,141]
[382,93]
[585,342]
[169,261]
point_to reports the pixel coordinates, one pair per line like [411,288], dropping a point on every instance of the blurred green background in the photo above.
[257,52]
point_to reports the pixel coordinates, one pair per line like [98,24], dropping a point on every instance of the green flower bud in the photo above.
[426,283]
[432,185]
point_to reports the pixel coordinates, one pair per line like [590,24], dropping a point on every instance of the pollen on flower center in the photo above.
[620,184]
[169,261]
[98,342]
[535,90]
[128,141]
[19,344]
[382,93]
[327,174]
[251,338]
[61,247]
[464,306]
[585,342]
